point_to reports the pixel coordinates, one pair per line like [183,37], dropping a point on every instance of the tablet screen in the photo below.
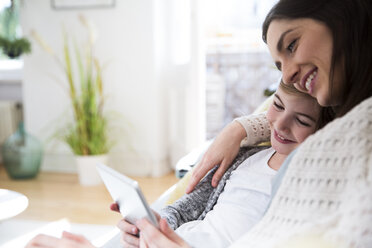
[127,194]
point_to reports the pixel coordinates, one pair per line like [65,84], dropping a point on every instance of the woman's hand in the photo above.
[68,240]
[221,152]
[152,237]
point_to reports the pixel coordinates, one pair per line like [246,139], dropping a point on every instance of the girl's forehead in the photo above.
[297,99]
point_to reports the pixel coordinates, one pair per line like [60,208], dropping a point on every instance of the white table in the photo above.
[11,203]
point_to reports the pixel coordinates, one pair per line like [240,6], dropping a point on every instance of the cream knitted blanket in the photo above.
[327,189]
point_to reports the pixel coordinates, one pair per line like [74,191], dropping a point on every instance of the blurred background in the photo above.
[174,73]
[135,84]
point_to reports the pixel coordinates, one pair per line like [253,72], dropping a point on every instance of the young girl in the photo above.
[216,217]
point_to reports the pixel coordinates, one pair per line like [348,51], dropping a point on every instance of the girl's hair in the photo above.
[350,22]
[326,114]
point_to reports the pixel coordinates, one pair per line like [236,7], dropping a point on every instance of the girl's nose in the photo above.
[282,124]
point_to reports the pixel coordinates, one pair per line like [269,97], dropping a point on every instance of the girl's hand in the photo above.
[151,237]
[114,207]
[221,152]
[129,232]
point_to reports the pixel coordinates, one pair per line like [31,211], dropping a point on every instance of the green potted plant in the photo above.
[11,44]
[87,134]
[14,48]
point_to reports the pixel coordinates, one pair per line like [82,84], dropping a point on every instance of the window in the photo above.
[10,71]
[239,67]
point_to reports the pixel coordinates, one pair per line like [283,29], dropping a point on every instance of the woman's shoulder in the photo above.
[352,128]
[364,106]
[357,118]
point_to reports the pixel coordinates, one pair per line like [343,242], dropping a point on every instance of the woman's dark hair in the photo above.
[350,22]
[326,114]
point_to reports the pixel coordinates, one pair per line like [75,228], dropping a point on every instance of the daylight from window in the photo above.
[239,68]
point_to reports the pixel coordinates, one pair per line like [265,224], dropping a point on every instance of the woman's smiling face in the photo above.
[302,50]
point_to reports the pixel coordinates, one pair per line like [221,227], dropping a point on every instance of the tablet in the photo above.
[127,194]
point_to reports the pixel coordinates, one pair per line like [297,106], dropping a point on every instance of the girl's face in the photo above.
[292,119]
[302,50]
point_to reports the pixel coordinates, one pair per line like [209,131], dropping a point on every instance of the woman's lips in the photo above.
[308,80]
[281,139]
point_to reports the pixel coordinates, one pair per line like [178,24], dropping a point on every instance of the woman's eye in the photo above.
[291,46]
[278,66]
[303,123]
[278,106]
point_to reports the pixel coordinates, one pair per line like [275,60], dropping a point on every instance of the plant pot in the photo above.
[86,165]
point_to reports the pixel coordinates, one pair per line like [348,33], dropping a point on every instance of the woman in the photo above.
[324,49]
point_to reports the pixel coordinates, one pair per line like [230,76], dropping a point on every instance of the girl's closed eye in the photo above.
[278,106]
[303,123]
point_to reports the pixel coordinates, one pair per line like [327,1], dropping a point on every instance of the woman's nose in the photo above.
[291,73]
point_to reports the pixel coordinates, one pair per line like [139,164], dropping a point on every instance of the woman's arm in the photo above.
[253,128]
[257,128]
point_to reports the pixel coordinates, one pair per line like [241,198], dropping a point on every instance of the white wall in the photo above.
[133,37]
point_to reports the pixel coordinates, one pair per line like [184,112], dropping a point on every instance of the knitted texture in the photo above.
[196,205]
[327,189]
[257,128]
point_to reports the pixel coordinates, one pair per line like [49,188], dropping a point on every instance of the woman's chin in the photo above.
[325,100]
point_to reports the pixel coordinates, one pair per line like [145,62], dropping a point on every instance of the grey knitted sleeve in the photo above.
[190,206]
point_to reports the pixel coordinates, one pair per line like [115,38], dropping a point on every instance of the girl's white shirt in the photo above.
[240,206]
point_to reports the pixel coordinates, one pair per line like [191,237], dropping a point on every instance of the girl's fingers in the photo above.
[126,227]
[143,243]
[151,236]
[129,240]
[128,232]
[164,228]
[114,207]
[155,238]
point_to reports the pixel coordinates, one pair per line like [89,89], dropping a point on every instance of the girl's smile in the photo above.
[282,139]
